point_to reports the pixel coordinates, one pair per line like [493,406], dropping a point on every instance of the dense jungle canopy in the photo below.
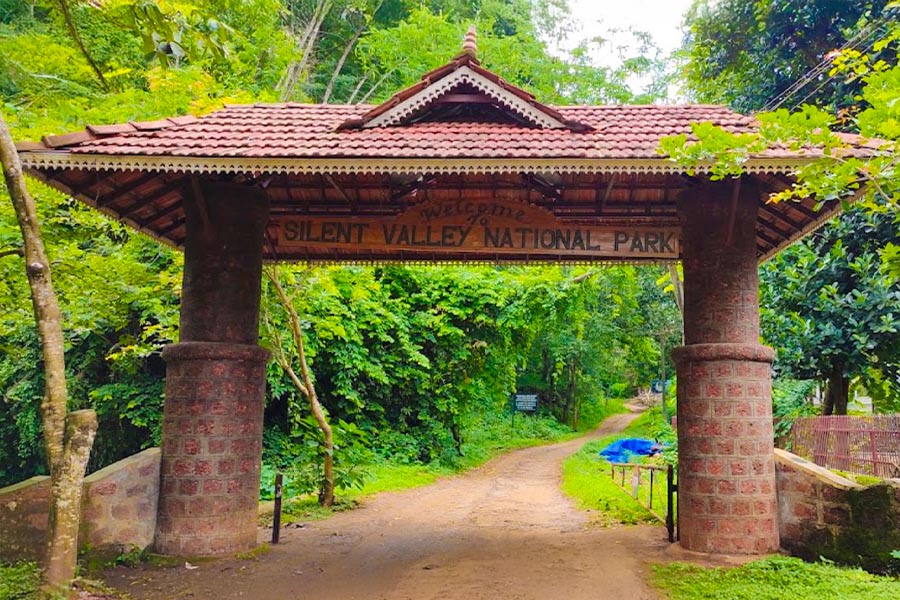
[411,363]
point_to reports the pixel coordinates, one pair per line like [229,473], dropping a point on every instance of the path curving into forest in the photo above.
[502,531]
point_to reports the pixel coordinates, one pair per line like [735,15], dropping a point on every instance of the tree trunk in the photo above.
[457,438]
[67,440]
[296,69]
[305,385]
[837,393]
[677,287]
[66,491]
[340,66]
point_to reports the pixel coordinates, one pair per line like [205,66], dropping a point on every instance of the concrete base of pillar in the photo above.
[212,442]
[726,468]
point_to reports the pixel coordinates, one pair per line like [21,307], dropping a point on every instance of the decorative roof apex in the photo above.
[470,45]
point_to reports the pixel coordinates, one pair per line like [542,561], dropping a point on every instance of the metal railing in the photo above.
[867,445]
[645,484]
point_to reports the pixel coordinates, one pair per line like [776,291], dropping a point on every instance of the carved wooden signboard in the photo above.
[488,228]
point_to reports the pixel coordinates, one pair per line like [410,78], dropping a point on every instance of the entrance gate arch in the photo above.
[461,167]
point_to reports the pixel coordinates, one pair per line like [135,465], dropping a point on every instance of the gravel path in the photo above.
[503,531]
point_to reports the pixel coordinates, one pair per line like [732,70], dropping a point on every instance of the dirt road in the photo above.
[503,531]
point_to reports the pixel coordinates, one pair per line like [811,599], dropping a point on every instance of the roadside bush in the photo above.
[19,581]
[790,400]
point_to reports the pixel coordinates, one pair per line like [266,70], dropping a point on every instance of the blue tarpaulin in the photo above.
[620,451]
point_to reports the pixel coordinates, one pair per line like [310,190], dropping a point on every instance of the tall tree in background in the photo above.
[826,305]
[302,381]
[830,311]
[68,436]
[746,53]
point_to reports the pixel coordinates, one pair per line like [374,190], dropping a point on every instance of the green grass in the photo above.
[491,437]
[586,479]
[20,581]
[386,477]
[774,578]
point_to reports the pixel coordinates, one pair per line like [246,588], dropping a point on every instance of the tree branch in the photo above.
[326,496]
[70,25]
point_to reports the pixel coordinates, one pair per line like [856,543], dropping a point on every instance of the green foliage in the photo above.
[390,477]
[827,304]
[20,581]
[173,32]
[115,328]
[790,400]
[509,42]
[775,578]
[421,362]
[828,308]
[587,480]
[301,458]
[745,53]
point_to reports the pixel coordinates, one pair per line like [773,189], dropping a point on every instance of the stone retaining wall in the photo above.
[118,510]
[822,514]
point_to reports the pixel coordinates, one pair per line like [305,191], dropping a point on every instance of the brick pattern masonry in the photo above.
[212,435]
[822,514]
[726,470]
[727,492]
[118,510]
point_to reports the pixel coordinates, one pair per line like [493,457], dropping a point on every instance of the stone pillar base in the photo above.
[726,474]
[212,432]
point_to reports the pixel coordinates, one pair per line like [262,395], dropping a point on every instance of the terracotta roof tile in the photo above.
[311,130]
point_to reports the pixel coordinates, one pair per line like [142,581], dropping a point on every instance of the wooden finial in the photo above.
[469,45]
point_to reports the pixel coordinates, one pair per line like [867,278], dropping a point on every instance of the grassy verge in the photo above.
[586,478]
[19,581]
[775,578]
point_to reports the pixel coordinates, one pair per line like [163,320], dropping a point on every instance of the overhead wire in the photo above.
[862,39]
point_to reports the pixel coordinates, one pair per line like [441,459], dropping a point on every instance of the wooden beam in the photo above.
[760,234]
[340,191]
[161,214]
[771,227]
[807,212]
[149,200]
[175,225]
[781,217]
[773,182]
[127,191]
[465,99]
[607,193]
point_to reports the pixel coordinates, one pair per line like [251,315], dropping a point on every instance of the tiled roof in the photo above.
[461,130]
[309,130]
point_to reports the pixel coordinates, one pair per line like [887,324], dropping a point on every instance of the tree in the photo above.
[833,292]
[68,436]
[830,311]
[747,54]
[303,382]
[419,359]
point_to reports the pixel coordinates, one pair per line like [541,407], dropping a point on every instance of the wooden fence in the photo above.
[649,483]
[866,445]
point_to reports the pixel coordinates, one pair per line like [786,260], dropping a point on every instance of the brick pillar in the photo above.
[215,379]
[726,468]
